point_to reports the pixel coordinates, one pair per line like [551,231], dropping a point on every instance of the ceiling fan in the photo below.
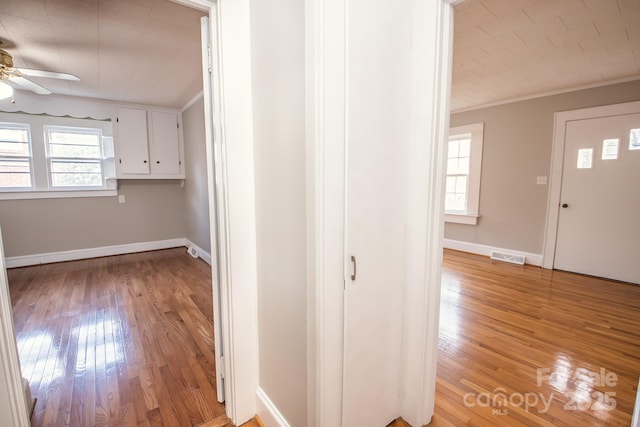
[15,76]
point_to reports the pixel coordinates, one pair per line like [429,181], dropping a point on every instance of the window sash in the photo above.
[463,159]
[16,158]
[76,175]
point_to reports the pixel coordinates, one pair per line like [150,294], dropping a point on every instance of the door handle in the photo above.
[564,205]
[353,263]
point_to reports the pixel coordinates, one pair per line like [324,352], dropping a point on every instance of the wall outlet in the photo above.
[541,180]
[121,198]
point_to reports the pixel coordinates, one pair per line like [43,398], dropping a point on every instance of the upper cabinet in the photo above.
[148,145]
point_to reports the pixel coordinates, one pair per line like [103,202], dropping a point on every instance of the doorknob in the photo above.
[353,262]
[564,205]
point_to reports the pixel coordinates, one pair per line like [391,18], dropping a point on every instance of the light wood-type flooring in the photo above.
[120,341]
[513,339]
[127,340]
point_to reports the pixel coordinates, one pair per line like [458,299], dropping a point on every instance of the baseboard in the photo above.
[476,248]
[206,256]
[268,412]
[46,258]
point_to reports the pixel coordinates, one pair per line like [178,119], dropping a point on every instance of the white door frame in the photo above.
[557,163]
[327,121]
[13,402]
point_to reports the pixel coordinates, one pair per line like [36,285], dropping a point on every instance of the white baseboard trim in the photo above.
[206,256]
[46,258]
[268,412]
[476,248]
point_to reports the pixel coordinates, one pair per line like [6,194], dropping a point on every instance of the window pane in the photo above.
[610,149]
[451,184]
[452,166]
[73,138]
[76,179]
[461,184]
[14,135]
[465,148]
[585,158]
[634,139]
[461,202]
[76,167]
[463,165]
[449,202]
[452,152]
[15,174]
[14,149]
[75,151]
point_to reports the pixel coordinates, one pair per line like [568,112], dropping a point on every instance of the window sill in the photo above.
[460,218]
[56,194]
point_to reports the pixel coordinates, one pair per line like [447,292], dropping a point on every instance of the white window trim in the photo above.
[471,215]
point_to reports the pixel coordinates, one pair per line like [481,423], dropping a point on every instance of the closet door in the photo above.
[378,100]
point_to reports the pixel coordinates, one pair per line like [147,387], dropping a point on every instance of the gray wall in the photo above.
[277,49]
[196,197]
[517,149]
[153,211]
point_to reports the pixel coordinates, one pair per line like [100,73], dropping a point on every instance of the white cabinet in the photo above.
[148,149]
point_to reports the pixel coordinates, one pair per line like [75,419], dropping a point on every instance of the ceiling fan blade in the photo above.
[23,83]
[46,74]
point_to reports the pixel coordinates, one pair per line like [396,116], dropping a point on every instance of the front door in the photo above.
[599,221]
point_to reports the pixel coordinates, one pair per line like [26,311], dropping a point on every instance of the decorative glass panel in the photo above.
[585,158]
[634,139]
[610,149]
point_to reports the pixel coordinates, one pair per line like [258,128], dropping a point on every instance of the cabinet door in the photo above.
[165,149]
[132,142]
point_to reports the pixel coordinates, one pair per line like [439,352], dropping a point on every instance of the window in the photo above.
[585,158]
[610,149]
[43,156]
[462,183]
[15,156]
[634,139]
[74,157]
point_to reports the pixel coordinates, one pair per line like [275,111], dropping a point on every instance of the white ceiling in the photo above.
[139,51]
[509,49]
[148,51]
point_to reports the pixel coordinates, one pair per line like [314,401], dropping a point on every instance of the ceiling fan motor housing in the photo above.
[6,61]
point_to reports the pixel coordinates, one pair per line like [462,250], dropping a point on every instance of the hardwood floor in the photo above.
[119,341]
[523,346]
[127,341]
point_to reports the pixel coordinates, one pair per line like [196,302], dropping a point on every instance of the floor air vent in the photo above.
[193,252]
[503,256]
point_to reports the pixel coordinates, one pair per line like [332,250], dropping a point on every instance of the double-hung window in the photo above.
[16,162]
[43,156]
[463,168]
[74,157]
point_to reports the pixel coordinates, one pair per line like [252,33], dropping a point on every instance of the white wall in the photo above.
[277,38]
[196,197]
